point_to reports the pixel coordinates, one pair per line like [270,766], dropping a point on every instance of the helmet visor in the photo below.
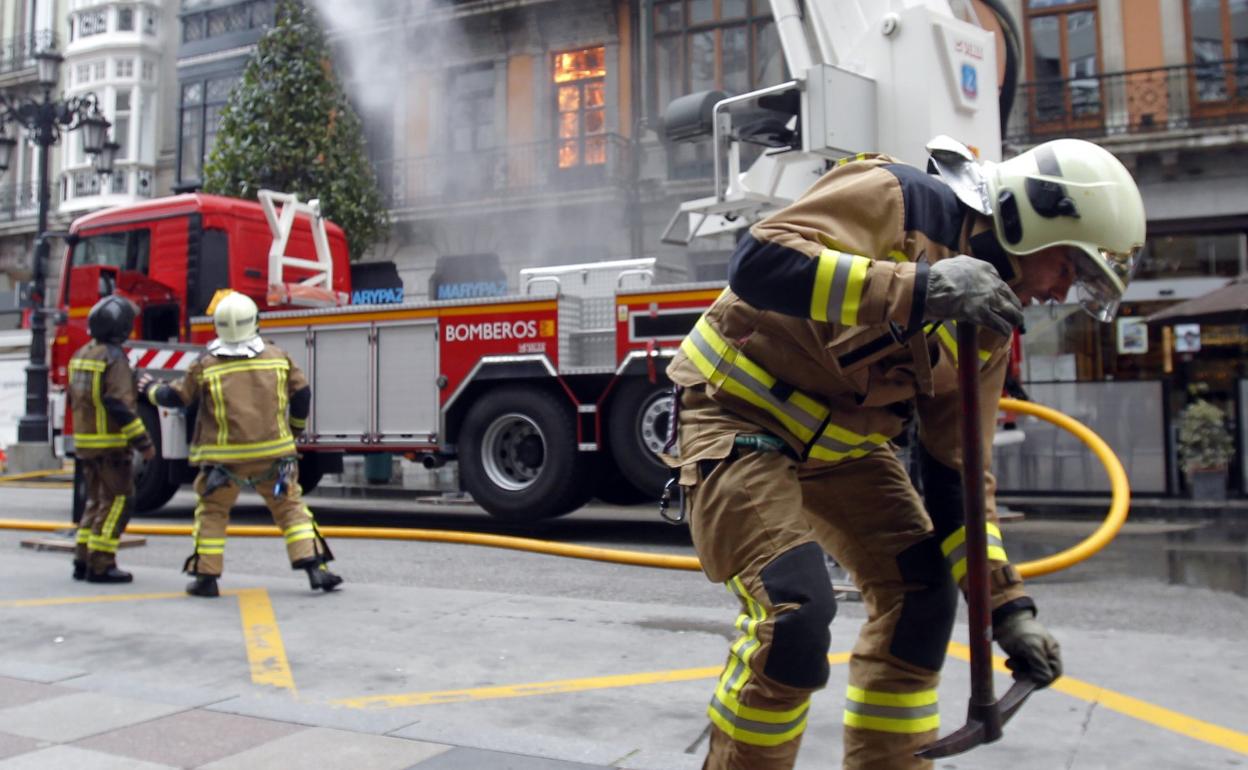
[1098,293]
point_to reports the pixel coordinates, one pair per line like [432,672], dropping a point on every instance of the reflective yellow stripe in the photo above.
[84,535]
[954,549]
[283,427]
[250,365]
[133,429]
[299,532]
[151,396]
[231,452]
[218,411]
[100,441]
[727,368]
[114,513]
[947,332]
[87,365]
[299,423]
[747,724]
[898,256]
[891,712]
[853,291]
[839,281]
[824,272]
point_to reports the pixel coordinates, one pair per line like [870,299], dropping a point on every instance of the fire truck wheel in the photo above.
[152,487]
[637,430]
[518,456]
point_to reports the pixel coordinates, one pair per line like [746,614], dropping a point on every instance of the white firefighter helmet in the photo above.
[236,319]
[1069,192]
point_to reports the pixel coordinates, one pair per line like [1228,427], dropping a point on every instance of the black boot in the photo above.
[110,575]
[320,577]
[203,585]
[80,569]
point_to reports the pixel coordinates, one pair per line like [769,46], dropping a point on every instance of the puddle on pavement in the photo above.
[1210,555]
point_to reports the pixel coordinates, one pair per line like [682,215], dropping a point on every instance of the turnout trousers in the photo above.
[304,544]
[760,521]
[110,499]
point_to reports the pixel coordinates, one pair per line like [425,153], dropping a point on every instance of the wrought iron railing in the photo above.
[1144,101]
[18,53]
[18,201]
[508,172]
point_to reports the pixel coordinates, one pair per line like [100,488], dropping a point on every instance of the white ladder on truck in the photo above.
[316,290]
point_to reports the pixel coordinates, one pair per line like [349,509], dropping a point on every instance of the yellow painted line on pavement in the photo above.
[1135,708]
[265,650]
[542,688]
[35,475]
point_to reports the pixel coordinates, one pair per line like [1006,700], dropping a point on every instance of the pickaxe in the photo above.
[985,715]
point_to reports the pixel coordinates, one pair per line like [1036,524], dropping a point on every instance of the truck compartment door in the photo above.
[407,370]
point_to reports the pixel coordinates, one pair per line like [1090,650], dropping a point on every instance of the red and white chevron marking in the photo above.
[157,358]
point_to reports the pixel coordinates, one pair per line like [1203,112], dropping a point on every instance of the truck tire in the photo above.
[637,431]
[310,472]
[152,484]
[518,456]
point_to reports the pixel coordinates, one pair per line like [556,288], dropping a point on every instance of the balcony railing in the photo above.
[18,201]
[18,53]
[510,172]
[1148,101]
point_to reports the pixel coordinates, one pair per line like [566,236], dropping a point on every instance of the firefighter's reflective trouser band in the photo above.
[954,549]
[110,495]
[212,515]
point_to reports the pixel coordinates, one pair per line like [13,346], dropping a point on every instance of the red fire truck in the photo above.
[545,398]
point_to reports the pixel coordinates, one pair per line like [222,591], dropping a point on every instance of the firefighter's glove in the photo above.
[1034,653]
[967,289]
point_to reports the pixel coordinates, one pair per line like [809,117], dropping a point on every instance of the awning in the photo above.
[1228,305]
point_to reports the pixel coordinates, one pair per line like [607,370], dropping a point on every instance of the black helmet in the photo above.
[111,320]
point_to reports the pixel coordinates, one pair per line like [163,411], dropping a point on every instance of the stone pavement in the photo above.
[400,676]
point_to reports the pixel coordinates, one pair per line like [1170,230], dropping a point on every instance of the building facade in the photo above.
[214,41]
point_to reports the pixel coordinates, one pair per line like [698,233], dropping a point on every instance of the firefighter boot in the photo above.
[110,575]
[80,569]
[203,585]
[319,575]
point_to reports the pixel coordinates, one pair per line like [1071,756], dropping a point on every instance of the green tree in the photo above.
[289,127]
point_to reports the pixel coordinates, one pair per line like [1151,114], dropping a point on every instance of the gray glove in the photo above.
[967,289]
[1034,653]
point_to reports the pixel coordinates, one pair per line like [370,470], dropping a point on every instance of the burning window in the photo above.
[581,101]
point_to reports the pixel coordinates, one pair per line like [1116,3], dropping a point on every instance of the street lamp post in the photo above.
[45,119]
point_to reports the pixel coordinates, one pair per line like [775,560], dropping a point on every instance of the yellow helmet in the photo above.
[236,319]
[1069,192]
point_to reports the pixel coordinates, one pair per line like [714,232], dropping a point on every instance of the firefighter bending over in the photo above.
[253,402]
[837,328]
[106,428]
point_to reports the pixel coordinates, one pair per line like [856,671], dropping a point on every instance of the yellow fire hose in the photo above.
[1095,542]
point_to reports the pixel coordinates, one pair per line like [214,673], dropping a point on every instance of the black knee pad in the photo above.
[799,646]
[921,636]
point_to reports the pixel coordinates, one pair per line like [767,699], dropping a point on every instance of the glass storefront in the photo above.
[1063,345]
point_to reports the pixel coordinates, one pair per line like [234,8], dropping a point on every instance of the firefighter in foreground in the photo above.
[837,328]
[253,403]
[106,428]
